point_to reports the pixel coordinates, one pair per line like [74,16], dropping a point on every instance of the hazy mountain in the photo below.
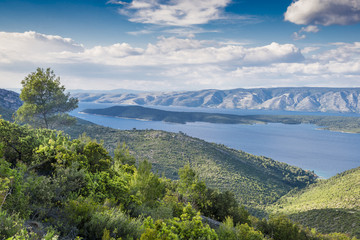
[113,91]
[290,99]
[9,99]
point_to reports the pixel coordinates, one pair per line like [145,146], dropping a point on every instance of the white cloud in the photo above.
[335,67]
[32,46]
[310,29]
[342,53]
[116,2]
[141,32]
[309,49]
[179,51]
[188,32]
[298,36]
[174,12]
[324,12]
[177,63]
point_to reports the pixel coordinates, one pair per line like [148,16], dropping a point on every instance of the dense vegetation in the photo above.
[334,123]
[329,205]
[254,180]
[52,186]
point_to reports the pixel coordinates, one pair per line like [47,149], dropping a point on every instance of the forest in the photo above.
[55,187]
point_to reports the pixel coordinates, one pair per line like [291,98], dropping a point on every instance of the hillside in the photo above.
[54,187]
[9,99]
[254,180]
[290,99]
[9,102]
[329,205]
[335,123]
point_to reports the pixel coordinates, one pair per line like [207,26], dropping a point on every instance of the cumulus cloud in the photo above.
[323,12]
[41,48]
[339,66]
[178,63]
[174,12]
[32,46]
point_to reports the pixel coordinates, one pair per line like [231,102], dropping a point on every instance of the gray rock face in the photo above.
[290,99]
[9,99]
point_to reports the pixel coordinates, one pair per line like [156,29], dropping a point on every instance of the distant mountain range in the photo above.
[289,99]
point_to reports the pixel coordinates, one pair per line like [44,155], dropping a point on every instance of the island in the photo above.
[333,123]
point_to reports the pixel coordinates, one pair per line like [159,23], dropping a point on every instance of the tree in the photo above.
[45,100]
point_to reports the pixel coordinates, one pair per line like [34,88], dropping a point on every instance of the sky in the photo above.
[176,45]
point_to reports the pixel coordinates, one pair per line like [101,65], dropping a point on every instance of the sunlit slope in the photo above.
[330,205]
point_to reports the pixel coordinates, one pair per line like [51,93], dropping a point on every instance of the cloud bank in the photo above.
[178,63]
[323,12]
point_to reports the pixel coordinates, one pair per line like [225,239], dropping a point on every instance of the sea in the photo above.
[325,152]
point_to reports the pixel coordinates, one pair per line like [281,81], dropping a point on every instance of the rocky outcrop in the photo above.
[290,99]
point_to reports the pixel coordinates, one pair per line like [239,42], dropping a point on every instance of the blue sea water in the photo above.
[324,152]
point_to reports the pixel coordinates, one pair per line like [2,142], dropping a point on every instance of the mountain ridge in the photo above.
[311,99]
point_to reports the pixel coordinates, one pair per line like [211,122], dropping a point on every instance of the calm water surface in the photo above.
[325,152]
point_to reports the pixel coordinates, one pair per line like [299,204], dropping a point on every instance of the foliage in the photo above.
[227,230]
[13,186]
[72,188]
[210,202]
[17,142]
[280,227]
[9,224]
[123,156]
[146,186]
[189,226]
[45,100]
[255,181]
[331,204]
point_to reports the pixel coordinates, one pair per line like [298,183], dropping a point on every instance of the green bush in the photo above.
[9,224]
[228,231]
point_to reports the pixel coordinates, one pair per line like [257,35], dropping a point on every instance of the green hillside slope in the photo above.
[254,180]
[330,205]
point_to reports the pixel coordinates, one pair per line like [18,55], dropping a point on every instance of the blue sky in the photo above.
[166,45]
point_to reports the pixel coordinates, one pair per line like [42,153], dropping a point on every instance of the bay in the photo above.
[324,152]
